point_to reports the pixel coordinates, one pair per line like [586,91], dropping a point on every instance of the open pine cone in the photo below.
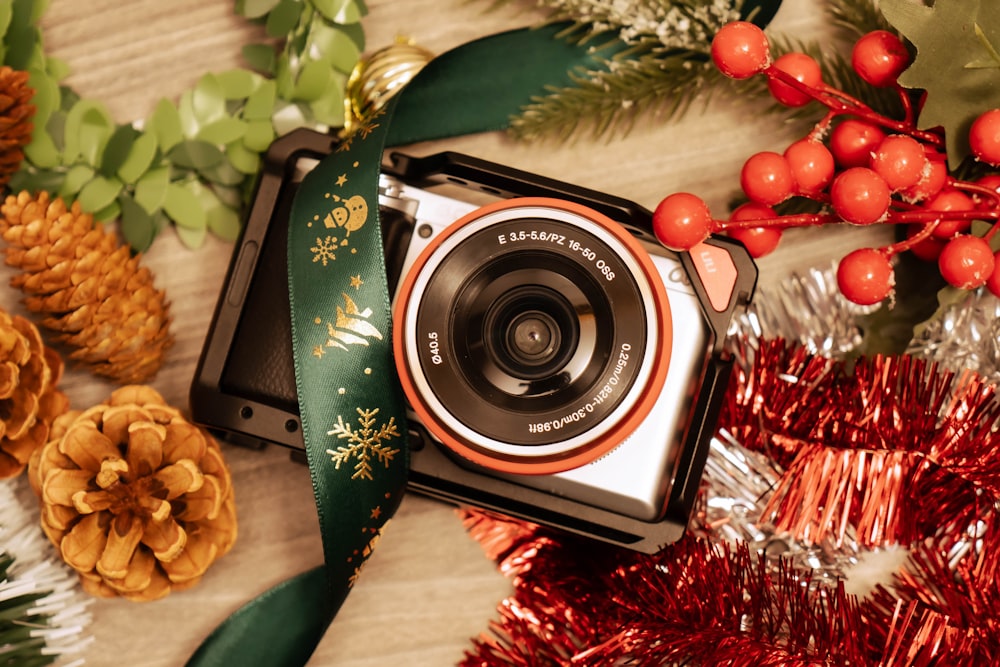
[29,399]
[138,500]
[16,114]
[93,292]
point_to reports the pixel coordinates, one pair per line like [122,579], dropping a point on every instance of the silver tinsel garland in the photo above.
[809,310]
[964,335]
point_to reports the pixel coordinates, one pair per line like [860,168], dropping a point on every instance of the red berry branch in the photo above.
[861,166]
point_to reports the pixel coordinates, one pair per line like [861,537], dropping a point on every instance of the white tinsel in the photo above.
[62,616]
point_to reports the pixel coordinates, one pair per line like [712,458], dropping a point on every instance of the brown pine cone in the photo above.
[16,114]
[93,292]
[138,500]
[29,399]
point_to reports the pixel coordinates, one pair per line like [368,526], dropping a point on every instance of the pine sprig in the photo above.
[683,24]
[659,68]
[611,101]
[43,613]
[665,69]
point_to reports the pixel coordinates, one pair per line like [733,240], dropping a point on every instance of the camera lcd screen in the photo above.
[260,367]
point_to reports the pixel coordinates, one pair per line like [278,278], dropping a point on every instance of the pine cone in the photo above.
[89,286]
[138,500]
[16,114]
[29,399]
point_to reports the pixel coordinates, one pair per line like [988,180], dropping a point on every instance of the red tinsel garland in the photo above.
[890,450]
[897,448]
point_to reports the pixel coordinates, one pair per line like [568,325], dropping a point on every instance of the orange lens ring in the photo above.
[541,465]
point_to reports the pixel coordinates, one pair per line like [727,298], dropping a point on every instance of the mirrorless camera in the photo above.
[560,366]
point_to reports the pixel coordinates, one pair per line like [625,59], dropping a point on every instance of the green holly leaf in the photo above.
[242,158]
[339,11]
[955,40]
[260,57]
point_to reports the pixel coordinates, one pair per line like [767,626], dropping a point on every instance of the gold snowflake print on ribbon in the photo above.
[325,249]
[365,443]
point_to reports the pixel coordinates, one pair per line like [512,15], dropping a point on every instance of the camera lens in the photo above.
[531,332]
[532,335]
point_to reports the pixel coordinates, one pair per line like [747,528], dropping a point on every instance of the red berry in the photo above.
[985,202]
[950,200]
[935,175]
[900,160]
[802,68]
[853,141]
[928,249]
[865,276]
[993,282]
[984,137]
[812,166]
[966,262]
[681,221]
[767,178]
[879,58]
[740,50]
[859,196]
[759,241]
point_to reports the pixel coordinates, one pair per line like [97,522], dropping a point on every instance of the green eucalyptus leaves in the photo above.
[193,162]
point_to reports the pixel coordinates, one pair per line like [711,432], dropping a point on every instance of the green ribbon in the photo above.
[352,409]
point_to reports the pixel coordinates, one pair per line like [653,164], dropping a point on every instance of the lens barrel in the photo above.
[532,335]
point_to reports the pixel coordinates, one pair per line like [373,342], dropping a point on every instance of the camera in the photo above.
[560,366]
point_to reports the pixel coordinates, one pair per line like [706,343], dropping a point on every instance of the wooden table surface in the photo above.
[428,588]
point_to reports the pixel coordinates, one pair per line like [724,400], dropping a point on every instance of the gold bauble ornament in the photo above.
[376,78]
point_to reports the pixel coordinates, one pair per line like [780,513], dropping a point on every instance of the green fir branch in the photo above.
[611,101]
[652,78]
[43,612]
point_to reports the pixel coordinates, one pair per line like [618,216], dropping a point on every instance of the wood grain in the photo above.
[428,588]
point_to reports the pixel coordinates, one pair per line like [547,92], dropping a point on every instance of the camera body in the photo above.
[560,365]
